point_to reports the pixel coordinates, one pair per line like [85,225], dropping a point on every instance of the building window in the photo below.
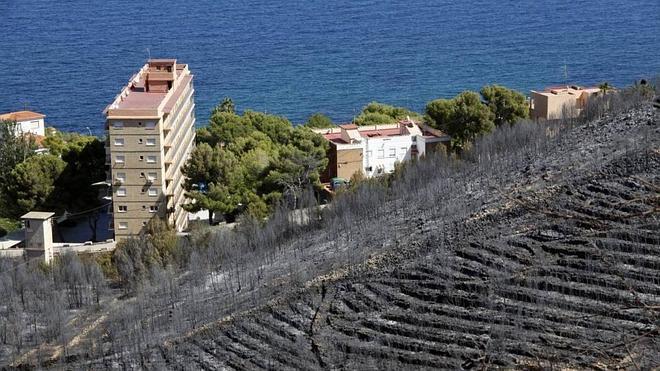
[121,192]
[119,159]
[153,209]
[118,125]
[140,141]
[121,177]
[141,158]
[151,125]
[381,153]
[151,159]
[123,225]
[152,176]
[122,208]
[392,152]
[119,142]
[153,192]
[144,224]
[151,141]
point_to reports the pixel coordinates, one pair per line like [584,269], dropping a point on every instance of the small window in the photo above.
[119,159]
[392,152]
[119,142]
[144,224]
[151,159]
[121,177]
[139,140]
[153,209]
[152,176]
[122,208]
[151,125]
[118,125]
[153,192]
[144,207]
[381,153]
[140,123]
[123,225]
[141,175]
[151,141]
[121,192]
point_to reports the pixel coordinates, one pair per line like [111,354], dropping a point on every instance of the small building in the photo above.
[39,234]
[27,122]
[375,149]
[560,102]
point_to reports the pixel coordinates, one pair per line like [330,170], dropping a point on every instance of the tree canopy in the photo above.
[463,117]
[508,106]
[31,184]
[319,121]
[376,113]
[248,162]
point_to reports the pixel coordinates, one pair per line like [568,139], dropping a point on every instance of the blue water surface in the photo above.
[68,58]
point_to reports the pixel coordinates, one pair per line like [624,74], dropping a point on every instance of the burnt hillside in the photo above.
[550,258]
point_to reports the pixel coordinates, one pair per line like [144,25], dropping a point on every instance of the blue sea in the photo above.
[68,58]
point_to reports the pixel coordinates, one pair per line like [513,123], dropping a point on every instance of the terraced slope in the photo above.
[547,257]
[569,280]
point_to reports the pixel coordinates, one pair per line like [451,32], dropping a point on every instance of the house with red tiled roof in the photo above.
[27,122]
[375,149]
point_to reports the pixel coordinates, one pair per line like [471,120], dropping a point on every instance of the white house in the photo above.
[27,122]
[374,150]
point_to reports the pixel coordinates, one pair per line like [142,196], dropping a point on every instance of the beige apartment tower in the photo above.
[151,132]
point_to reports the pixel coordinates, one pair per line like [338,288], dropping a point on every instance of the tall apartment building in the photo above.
[151,132]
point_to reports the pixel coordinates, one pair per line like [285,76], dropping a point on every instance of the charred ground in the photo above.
[539,248]
[549,258]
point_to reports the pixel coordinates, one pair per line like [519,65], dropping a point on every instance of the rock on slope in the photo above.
[560,267]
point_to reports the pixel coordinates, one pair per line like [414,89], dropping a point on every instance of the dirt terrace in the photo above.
[558,265]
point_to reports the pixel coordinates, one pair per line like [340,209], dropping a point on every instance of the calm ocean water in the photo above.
[68,58]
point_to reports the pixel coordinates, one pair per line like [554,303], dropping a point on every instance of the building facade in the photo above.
[150,134]
[374,150]
[560,102]
[27,122]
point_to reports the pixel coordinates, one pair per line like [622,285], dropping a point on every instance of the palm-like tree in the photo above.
[605,87]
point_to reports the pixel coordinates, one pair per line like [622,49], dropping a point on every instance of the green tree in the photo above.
[214,181]
[376,113]
[227,105]
[31,184]
[85,165]
[319,121]
[248,162]
[13,151]
[462,117]
[605,87]
[508,106]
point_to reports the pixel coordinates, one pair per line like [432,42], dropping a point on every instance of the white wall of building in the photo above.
[381,153]
[36,127]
